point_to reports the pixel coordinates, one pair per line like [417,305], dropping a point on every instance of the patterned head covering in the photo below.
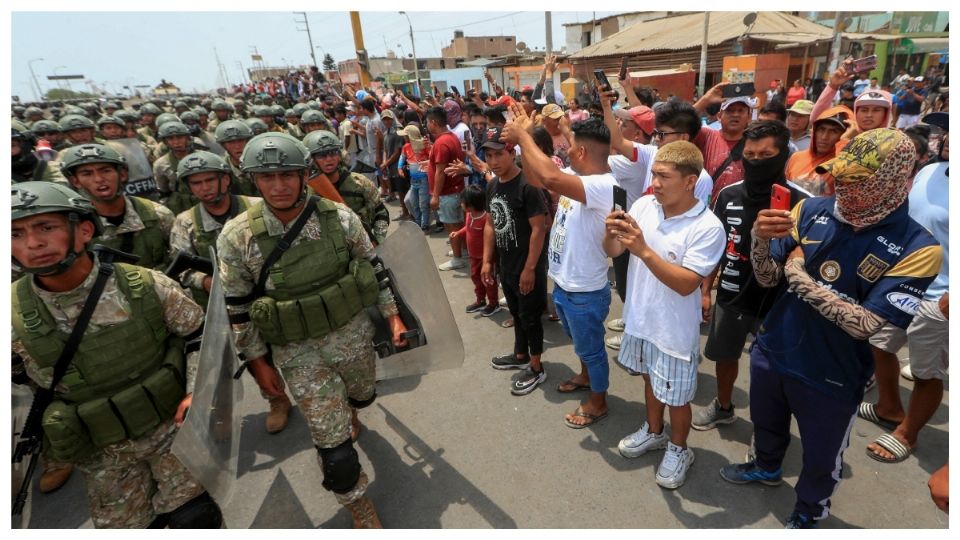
[872,175]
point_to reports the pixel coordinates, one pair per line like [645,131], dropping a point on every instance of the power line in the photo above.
[459,26]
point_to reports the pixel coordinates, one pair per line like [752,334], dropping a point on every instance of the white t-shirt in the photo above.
[575,253]
[462,131]
[654,312]
[635,176]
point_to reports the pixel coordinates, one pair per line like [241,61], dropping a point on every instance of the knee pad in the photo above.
[201,512]
[341,467]
[360,404]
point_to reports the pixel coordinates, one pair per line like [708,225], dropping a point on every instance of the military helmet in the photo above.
[233,130]
[150,108]
[313,104]
[19,109]
[190,116]
[313,117]
[45,126]
[300,108]
[20,130]
[116,120]
[164,118]
[83,154]
[74,110]
[206,103]
[222,105]
[33,111]
[201,161]
[238,95]
[172,129]
[71,122]
[257,126]
[262,110]
[112,105]
[40,197]
[322,141]
[276,110]
[127,116]
[290,113]
[180,103]
[269,152]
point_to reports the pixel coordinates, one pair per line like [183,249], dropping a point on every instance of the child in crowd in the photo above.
[413,158]
[474,206]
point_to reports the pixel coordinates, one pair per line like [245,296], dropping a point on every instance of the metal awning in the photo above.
[483,62]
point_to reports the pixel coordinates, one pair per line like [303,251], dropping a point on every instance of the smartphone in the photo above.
[780,198]
[602,80]
[455,91]
[619,199]
[623,68]
[862,65]
[507,115]
[738,90]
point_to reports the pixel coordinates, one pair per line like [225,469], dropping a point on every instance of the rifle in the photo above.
[188,261]
[30,444]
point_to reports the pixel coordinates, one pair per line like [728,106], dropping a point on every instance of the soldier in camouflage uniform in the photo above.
[130,369]
[222,111]
[131,224]
[293,119]
[358,192]
[196,230]
[31,115]
[256,125]
[79,130]
[49,130]
[324,280]
[131,120]
[312,120]
[266,115]
[233,135]
[148,117]
[176,137]
[25,163]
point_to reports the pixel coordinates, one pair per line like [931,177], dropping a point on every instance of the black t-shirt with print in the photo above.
[510,205]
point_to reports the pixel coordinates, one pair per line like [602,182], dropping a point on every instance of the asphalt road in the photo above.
[454,449]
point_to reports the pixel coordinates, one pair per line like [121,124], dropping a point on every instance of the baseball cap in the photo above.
[840,118]
[874,97]
[939,119]
[863,156]
[641,115]
[494,140]
[387,113]
[552,110]
[746,100]
[526,88]
[410,131]
[918,79]
[802,106]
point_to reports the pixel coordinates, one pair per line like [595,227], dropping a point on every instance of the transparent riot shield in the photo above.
[140,181]
[212,144]
[209,440]
[436,342]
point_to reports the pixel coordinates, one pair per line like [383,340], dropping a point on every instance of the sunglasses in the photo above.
[657,134]
[326,153]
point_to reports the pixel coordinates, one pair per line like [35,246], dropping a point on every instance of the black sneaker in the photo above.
[527,381]
[491,309]
[800,521]
[509,361]
[476,306]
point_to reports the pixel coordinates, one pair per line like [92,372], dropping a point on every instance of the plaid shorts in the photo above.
[674,379]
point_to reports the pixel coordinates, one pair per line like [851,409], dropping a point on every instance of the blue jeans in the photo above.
[582,315]
[418,201]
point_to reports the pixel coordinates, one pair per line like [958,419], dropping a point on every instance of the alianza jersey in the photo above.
[885,268]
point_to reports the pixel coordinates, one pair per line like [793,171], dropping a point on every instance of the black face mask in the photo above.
[760,174]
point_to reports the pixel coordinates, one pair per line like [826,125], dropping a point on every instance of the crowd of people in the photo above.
[816,223]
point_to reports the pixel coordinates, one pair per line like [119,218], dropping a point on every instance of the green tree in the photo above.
[62,93]
[329,64]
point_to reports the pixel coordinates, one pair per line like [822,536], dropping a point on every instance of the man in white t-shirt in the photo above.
[674,241]
[578,264]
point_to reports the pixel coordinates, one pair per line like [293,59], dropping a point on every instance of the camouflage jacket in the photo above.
[165,172]
[132,222]
[181,314]
[240,261]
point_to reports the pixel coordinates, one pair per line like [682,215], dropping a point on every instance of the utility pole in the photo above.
[548,21]
[701,84]
[416,65]
[221,70]
[243,74]
[361,50]
[837,40]
[306,24]
[34,75]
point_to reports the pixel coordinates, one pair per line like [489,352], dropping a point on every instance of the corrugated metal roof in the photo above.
[686,31]
[483,62]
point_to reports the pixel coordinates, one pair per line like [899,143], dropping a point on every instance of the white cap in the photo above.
[918,79]
[746,100]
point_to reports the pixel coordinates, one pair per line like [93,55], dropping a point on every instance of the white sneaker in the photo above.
[617,325]
[453,264]
[674,466]
[503,301]
[449,253]
[614,341]
[637,444]
[906,373]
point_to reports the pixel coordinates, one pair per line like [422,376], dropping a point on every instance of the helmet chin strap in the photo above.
[221,191]
[58,268]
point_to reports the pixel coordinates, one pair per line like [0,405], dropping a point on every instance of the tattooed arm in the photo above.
[855,320]
[770,224]
[765,269]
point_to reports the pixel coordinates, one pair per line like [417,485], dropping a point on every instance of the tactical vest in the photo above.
[149,243]
[125,379]
[180,198]
[318,287]
[353,196]
[204,240]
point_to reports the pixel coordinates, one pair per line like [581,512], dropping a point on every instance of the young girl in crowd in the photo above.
[474,204]
[413,158]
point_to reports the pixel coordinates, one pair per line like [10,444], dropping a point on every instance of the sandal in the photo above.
[893,445]
[568,383]
[593,419]
[868,411]
[553,317]
[507,323]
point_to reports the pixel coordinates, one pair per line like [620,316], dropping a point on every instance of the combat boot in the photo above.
[279,414]
[364,514]
[55,475]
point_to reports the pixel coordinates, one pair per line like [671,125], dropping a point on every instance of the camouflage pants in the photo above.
[129,483]
[323,373]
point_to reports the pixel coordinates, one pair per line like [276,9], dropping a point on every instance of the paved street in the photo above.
[454,449]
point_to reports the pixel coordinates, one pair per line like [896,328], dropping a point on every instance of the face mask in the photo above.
[868,201]
[760,174]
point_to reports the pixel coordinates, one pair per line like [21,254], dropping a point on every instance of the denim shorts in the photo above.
[450,211]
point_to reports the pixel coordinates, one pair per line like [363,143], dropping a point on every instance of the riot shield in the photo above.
[209,440]
[212,144]
[140,181]
[422,302]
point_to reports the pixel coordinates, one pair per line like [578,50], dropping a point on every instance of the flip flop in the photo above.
[893,445]
[868,411]
[553,318]
[576,387]
[507,323]
[593,419]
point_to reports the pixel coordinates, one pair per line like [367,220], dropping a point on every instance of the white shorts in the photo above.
[889,339]
[674,380]
[906,120]
[928,338]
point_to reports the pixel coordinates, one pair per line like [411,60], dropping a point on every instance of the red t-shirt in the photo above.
[446,149]
[715,150]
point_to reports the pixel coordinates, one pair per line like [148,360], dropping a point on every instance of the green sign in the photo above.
[914,22]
